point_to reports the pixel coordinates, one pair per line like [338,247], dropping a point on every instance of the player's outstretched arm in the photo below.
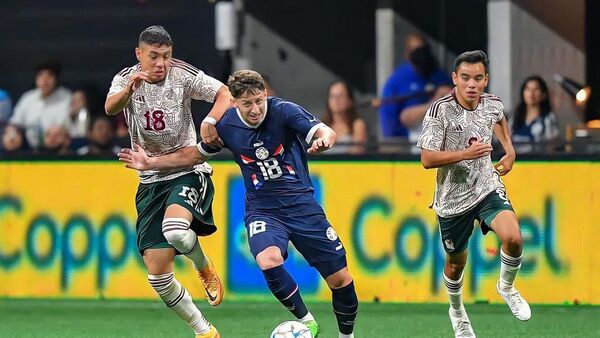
[117,101]
[435,159]
[208,131]
[324,139]
[502,132]
[138,159]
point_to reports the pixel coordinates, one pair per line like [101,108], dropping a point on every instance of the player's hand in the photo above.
[209,135]
[135,158]
[504,166]
[319,145]
[477,150]
[135,80]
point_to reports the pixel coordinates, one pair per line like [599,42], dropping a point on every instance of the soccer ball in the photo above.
[291,329]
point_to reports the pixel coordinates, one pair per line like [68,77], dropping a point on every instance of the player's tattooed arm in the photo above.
[502,132]
[208,131]
[117,101]
[324,139]
[138,159]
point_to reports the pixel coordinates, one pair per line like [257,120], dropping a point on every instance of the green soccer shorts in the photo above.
[456,231]
[193,191]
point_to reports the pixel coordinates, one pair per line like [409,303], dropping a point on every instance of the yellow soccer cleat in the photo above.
[212,333]
[212,284]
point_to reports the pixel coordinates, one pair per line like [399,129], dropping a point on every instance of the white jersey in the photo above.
[159,116]
[448,126]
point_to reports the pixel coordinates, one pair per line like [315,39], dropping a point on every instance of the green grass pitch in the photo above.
[95,318]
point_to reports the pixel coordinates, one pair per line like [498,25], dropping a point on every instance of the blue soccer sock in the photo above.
[284,288]
[345,307]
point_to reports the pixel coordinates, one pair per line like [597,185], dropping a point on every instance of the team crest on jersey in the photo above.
[449,244]
[262,153]
[331,234]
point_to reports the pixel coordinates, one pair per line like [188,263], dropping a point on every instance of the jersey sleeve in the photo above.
[118,83]
[203,87]
[497,106]
[432,134]
[301,120]
[500,111]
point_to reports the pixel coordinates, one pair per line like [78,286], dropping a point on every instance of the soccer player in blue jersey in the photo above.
[266,136]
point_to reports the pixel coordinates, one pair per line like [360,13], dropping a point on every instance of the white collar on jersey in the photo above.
[249,125]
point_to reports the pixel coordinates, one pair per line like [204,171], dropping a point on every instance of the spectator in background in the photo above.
[45,106]
[56,141]
[13,140]
[409,91]
[101,139]
[533,120]
[5,106]
[78,120]
[341,116]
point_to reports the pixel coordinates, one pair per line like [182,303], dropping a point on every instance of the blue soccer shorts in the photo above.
[311,234]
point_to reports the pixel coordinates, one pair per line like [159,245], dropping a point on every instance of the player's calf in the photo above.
[178,299]
[345,308]
[284,288]
[509,267]
[178,233]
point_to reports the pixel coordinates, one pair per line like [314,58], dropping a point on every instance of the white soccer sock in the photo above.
[509,267]
[178,233]
[179,300]
[346,335]
[306,318]
[454,290]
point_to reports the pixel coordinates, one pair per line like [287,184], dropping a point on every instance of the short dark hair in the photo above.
[243,81]
[156,35]
[472,57]
[51,66]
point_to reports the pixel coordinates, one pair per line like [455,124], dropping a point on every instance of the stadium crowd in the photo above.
[53,120]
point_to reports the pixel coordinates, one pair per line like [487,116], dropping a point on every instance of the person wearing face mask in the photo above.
[43,107]
[411,88]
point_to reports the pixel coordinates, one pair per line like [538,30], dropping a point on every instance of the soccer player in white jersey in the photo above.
[456,139]
[174,206]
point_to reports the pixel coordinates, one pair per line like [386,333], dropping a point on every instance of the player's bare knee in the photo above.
[514,241]
[269,258]
[159,261]
[339,280]
[454,269]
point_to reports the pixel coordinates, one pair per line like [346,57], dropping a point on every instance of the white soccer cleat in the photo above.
[461,325]
[517,304]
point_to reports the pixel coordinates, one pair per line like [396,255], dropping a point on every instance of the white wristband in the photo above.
[210,120]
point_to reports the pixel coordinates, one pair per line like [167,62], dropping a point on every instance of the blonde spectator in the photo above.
[78,119]
[341,116]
